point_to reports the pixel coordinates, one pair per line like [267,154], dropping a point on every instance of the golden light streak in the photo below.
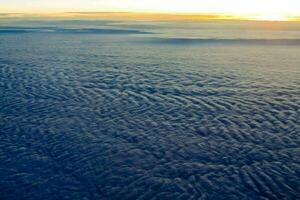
[152,16]
[263,10]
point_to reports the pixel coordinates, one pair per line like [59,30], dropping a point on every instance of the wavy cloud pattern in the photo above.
[105,117]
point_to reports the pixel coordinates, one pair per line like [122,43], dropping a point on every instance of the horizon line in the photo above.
[147,15]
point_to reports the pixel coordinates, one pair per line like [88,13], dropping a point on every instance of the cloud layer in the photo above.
[101,116]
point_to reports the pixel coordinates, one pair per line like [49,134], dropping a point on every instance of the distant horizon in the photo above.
[263,10]
[147,16]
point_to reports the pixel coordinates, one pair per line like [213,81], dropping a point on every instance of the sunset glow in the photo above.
[270,18]
[270,10]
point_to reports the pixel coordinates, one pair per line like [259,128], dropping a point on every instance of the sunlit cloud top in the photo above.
[261,8]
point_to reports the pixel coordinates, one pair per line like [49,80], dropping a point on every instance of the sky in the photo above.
[267,8]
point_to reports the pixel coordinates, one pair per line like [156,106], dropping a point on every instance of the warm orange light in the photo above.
[270,10]
[155,16]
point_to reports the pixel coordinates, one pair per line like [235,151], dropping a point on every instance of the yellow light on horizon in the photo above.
[269,10]
[270,18]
